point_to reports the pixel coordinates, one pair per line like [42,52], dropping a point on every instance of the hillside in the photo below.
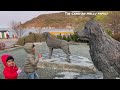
[57,20]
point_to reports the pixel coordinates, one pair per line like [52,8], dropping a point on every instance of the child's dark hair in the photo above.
[10,57]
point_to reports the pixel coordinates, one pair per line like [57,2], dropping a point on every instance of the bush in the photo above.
[74,37]
[68,38]
[21,41]
[32,37]
[109,32]
[59,36]
[64,37]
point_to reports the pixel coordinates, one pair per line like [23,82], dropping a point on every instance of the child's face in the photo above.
[10,62]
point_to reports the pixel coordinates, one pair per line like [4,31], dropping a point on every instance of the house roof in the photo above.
[3,30]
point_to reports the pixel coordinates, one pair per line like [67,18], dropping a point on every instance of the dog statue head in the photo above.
[46,34]
[91,29]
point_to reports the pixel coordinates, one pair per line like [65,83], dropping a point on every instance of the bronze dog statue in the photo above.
[104,50]
[54,43]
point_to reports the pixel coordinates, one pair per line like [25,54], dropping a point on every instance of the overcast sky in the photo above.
[7,16]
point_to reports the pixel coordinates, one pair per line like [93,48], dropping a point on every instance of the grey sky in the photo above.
[7,16]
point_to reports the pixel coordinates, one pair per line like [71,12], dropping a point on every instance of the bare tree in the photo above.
[17,27]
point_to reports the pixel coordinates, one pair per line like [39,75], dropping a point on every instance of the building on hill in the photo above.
[6,33]
[3,33]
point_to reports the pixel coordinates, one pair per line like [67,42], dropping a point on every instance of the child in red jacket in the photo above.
[10,71]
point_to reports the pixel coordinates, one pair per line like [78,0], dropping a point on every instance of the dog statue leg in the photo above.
[68,59]
[66,50]
[50,52]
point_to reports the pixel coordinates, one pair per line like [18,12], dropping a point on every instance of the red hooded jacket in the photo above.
[9,72]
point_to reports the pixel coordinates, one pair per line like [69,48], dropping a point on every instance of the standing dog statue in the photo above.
[54,43]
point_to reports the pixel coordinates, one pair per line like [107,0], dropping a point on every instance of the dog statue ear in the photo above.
[48,33]
[44,34]
[96,30]
[94,27]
